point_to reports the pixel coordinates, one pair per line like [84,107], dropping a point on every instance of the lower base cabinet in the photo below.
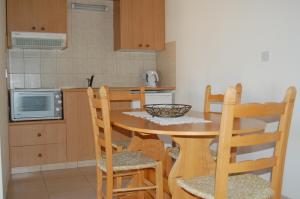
[37,155]
[37,143]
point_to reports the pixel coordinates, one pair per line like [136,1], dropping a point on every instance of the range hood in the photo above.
[37,40]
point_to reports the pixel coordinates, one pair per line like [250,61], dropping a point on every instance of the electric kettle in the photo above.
[151,78]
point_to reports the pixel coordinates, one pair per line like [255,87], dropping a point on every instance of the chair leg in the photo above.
[141,194]
[159,181]
[99,183]
[109,185]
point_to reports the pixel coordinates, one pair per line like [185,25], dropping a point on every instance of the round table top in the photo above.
[136,124]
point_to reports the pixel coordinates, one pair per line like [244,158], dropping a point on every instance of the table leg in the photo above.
[194,160]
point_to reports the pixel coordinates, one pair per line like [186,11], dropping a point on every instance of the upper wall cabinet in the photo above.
[37,16]
[139,24]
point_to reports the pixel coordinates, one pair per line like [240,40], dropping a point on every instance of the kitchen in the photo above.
[84,32]
[190,63]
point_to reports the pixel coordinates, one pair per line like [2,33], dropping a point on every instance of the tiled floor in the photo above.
[59,184]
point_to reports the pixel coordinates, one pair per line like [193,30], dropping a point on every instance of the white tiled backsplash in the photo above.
[90,51]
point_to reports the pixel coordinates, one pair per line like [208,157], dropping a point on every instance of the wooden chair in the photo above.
[233,180]
[209,100]
[125,96]
[125,163]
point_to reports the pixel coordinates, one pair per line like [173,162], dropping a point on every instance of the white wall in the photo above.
[4,158]
[220,43]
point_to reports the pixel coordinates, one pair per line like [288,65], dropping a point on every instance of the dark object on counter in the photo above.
[167,110]
[90,81]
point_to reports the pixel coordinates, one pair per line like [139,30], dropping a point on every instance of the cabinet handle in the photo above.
[40,155]
[43,28]
[39,134]
[147,45]
[33,28]
[140,45]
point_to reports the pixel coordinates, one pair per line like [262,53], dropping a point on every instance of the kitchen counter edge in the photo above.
[161,88]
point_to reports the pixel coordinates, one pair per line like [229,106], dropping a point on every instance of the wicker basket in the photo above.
[167,110]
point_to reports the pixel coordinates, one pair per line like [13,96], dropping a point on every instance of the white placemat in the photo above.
[167,121]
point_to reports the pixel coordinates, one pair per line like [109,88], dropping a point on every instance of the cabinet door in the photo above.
[55,153]
[158,24]
[153,24]
[24,135]
[27,156]
[55,133]
[52,16]
[21,15]
[139,24]
[147,14]
[80,139]
[130,32]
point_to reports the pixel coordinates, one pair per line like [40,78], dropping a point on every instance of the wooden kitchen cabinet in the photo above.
[37,143]
[52,16]
[36,16]
[24,156]
[139,24]
[80,137]
[80,142]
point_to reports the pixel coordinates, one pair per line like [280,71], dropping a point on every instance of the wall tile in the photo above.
[49,81]
[90,51]
[80,81]
[32,53]
[48,53]
[17,81]
[64,66]
[65,81]
[32,65]
[32,81]
[16,65]
[48,65]
[16,53]
[166,65]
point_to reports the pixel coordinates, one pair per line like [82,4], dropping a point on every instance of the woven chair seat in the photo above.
[247,186]
[124,161]
[123,143]
[174,152]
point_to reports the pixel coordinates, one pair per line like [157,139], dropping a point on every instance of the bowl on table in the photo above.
[167,110]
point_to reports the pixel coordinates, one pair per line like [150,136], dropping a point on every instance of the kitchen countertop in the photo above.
[159,88]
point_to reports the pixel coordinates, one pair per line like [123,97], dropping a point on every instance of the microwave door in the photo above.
[39,105]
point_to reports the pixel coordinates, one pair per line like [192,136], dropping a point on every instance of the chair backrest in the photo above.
[218,98]
[232,112]
[128,96]
[103,140]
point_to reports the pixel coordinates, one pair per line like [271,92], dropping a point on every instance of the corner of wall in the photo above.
[4,150]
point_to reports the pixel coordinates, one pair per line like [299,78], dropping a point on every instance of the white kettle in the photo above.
[151,78]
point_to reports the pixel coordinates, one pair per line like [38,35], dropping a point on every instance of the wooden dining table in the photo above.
[194,140]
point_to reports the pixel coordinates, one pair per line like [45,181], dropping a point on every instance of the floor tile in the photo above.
[29,182]
[83,193]
[66,184]
[59,184]
[62,173]
[88,171]
[27,195]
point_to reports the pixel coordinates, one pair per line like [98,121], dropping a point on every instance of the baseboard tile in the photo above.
[49,167]
[87,163]
[25,169]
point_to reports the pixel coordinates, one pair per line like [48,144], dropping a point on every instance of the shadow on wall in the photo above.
[166,65]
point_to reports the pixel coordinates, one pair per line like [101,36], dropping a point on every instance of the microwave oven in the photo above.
[35,104]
